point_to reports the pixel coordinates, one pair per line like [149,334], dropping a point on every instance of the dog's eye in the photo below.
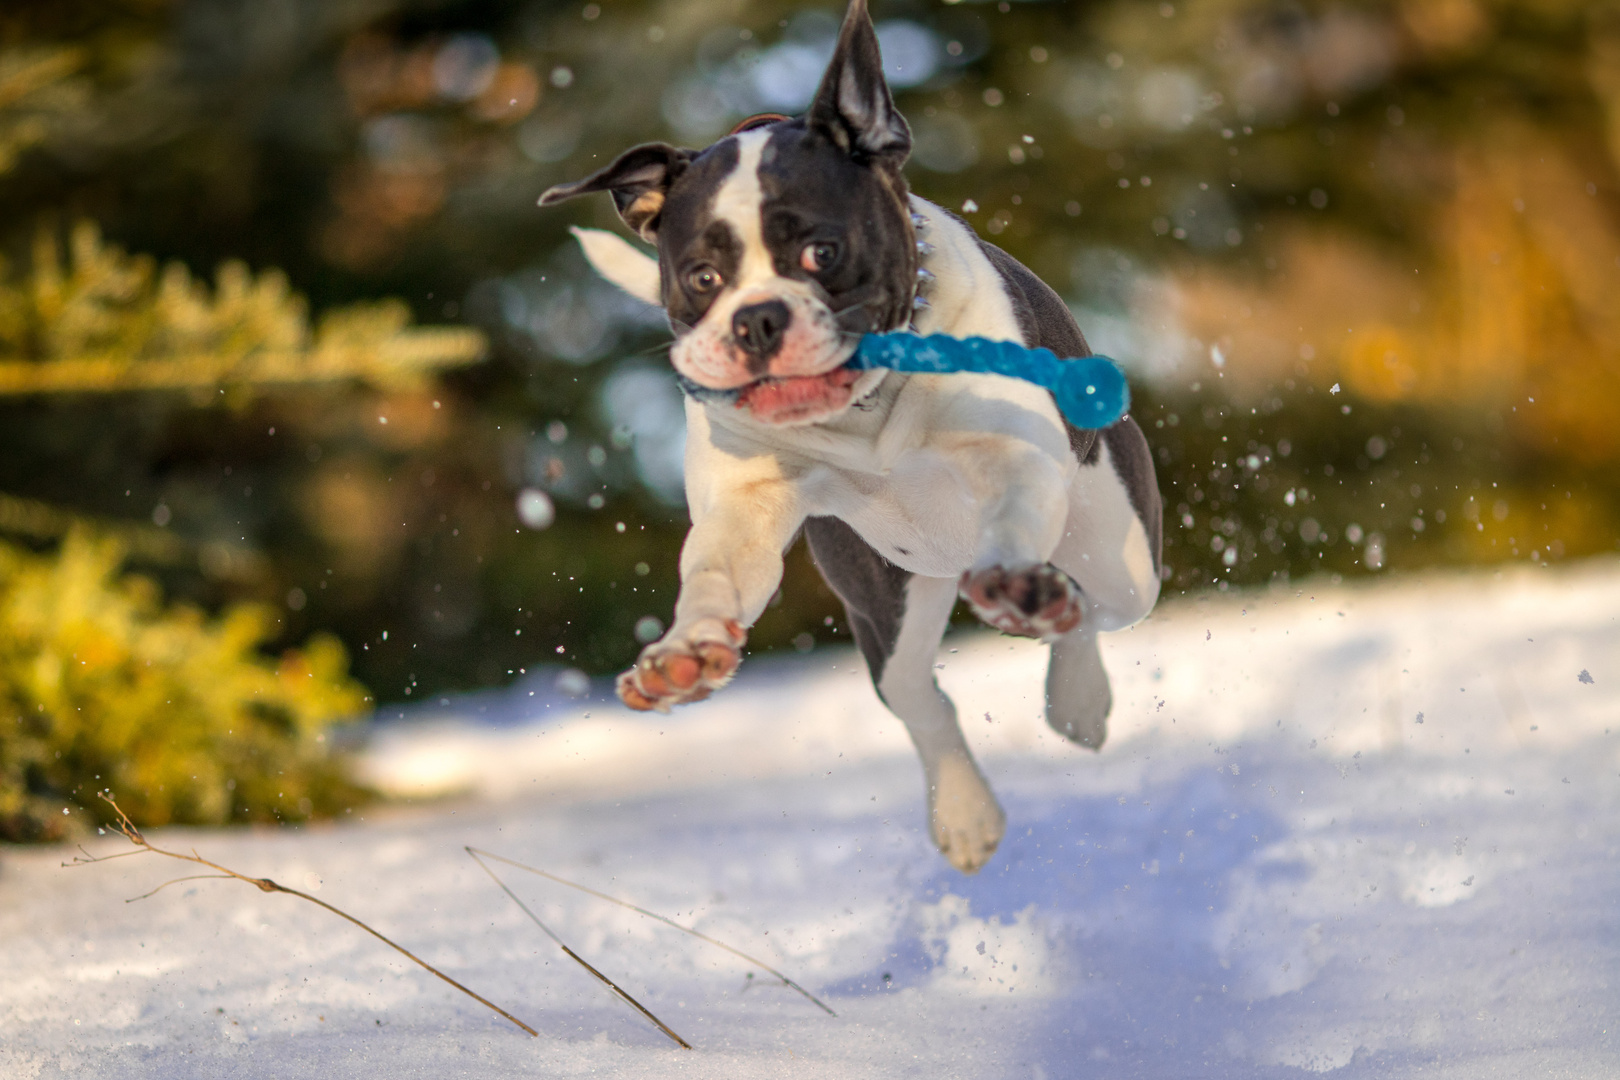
[816,257]
[703,279]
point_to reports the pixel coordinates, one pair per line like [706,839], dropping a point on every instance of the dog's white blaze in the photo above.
[811,344]
[738,203]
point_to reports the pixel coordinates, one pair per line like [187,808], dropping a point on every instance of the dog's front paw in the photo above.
[963,815]
[686,665]
[1037,601]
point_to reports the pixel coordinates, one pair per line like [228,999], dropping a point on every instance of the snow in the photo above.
[1273,867]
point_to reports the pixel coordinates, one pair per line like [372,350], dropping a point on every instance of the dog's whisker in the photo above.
[651,350]
[840,318]
[856,305]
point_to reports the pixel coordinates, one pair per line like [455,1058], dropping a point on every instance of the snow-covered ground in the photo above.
[1371,830]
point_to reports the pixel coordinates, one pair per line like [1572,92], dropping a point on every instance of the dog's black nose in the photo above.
[759,328]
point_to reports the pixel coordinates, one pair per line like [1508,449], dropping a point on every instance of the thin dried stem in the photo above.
[621,992]
[133,835]
[175,881]
[475,852]
[89,858]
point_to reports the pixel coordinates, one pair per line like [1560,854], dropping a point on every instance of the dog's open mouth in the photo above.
[775,400]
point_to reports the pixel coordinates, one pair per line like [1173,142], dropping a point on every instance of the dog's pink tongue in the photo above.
[778,400]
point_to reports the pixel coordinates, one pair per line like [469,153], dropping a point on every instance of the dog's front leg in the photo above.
[1012,584]
[731,564]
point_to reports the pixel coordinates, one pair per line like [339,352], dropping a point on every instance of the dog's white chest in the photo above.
[922,514]
[917,474]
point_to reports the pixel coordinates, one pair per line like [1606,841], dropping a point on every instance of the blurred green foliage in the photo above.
[105,688]
[107,322]
[1360,256]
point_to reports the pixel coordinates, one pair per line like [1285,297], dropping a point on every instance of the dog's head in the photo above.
[781,244]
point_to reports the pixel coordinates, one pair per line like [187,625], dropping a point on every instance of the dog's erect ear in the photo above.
[638,180]
[853,105]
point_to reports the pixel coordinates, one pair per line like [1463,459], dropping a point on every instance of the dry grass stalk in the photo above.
[133,835]
[619,991]
[476,852]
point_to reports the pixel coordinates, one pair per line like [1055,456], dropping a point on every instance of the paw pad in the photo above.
[1031,601]
[683,667]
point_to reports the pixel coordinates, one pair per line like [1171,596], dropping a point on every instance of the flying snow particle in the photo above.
[535,508]
[572,682]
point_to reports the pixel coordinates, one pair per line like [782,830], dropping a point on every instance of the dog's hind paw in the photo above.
[1036,601]
[966,821]
[684,666]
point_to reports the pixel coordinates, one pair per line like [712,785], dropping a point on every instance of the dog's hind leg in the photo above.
[1110,547]
[898,619]
[1078,697]
[966,821]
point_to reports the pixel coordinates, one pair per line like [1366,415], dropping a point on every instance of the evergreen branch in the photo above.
[26,71]
[36,89]
[398,361]
[145,543]
[109,322]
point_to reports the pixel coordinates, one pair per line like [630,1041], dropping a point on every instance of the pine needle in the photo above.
[134,836]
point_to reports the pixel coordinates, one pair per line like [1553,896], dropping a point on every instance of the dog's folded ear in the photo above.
[638,180]
[616,259]
[853,105]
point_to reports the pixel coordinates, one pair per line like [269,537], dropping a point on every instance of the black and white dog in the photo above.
[777,247]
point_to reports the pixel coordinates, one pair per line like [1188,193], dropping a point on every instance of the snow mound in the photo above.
[1274,867]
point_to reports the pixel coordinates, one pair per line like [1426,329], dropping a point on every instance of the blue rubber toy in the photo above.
[1090,391]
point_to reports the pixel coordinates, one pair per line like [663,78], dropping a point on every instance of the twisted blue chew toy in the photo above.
[1090,391]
